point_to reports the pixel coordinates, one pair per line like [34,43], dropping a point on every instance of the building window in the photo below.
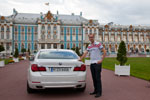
[29,46]
[55,46]
[43,37]
[62,31]
[22,36]
[74,31]
[16,46]
[15,28]
[79,31]
[22,46]
[29,29]
[48,46]
[55,27]
[35,36]
[7,35]
[94,31]
[68,31]
[49,27]
[86,31]
[2,28]
[8,29]
[16,37]
[48,36]
[90,31]
[22,29]
[35,46]
[29,36]
[42,46]
[43,27]
[62,46]
[7,46]
[55,36]
[35,29]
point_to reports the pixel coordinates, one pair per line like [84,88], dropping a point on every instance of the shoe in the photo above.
[98,95]
[92,93]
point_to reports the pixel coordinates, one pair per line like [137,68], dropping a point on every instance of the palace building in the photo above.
[39,31]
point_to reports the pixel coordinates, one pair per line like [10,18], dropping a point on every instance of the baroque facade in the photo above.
[39,31]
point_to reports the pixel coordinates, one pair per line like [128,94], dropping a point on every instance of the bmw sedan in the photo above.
[56,68]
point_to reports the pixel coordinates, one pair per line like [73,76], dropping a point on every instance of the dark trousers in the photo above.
[96,76]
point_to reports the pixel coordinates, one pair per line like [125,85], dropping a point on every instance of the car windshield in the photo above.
[57,55]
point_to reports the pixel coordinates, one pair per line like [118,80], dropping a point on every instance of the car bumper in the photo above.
[36,81]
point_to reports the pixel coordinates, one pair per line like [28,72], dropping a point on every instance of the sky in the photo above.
[124,12]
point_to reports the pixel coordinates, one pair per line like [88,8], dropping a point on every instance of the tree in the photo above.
[16,53]
[77,51]
[122,53]
[23,50]
[29,51]
[1,48]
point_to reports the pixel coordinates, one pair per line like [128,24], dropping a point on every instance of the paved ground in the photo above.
[13,87]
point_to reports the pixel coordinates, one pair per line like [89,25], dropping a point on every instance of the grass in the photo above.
[140,66]
[6,60]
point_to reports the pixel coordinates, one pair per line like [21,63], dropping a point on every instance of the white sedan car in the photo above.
[56,68]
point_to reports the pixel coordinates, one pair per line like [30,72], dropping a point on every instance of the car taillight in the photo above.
[34,68]
[82,68]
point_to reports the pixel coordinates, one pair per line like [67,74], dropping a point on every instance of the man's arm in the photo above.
[104,54]
[83,56]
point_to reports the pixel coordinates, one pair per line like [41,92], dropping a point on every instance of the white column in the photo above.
[39,31]
[52,46]
[46,31]
[97,36]
[39,46]
[83,33]
[5,46]
[58,46]
[133,36]
[92,30]
[88,30]
[139,36]
[10,48]
[58,32]
[45,46]
[0,32]
[52,32]
[10,34]
[5,32]
[144,37]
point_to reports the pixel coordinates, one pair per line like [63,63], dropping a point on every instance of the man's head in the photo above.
[91,38]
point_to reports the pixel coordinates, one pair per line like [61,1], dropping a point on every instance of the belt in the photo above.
[93,63]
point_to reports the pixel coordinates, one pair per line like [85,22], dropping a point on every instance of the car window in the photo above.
[57,55]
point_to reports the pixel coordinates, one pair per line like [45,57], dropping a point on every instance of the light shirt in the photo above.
[95,52]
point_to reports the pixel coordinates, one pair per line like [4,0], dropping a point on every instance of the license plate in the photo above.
[59,69]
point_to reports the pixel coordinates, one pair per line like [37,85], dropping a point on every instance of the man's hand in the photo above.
[100,61]
[79,59]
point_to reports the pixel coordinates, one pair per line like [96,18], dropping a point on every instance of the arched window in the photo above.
[62,46]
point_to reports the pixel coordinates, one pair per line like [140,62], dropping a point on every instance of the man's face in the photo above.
[91,38]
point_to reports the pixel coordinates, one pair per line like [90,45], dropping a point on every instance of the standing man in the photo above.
[95,49]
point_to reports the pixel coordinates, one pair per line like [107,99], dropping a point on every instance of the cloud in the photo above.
[105,11]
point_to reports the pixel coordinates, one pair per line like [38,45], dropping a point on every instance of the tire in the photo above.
[29,90]
[81,89]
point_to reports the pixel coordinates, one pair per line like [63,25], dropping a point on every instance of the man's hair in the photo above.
[91,34]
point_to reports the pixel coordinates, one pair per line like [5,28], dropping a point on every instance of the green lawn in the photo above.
[6,60]
[140,67]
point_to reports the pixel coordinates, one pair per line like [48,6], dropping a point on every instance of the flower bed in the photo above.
[11,61]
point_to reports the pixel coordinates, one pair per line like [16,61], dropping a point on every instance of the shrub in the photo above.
[122,53]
